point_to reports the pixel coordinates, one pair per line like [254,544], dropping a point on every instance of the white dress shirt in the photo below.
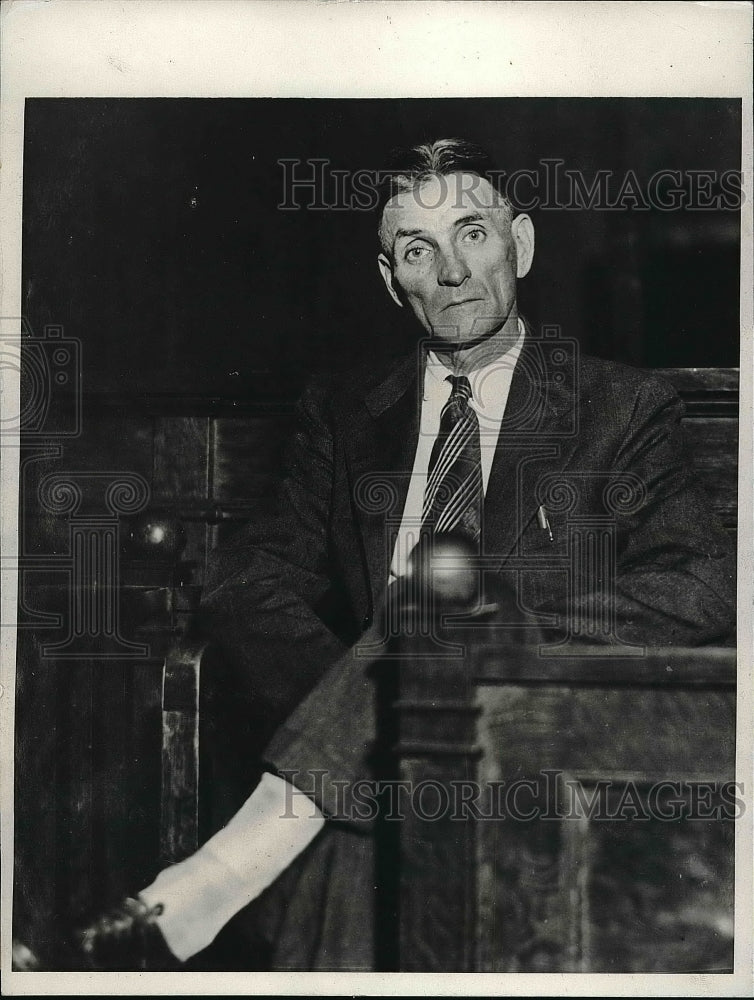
[490,387]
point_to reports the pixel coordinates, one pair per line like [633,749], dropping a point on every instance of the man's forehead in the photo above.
[441,199]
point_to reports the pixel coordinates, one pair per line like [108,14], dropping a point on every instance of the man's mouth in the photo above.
[461,302]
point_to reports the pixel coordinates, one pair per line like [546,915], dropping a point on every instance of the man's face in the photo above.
[456,257]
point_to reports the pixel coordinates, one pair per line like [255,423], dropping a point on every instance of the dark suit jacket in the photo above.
[589,439]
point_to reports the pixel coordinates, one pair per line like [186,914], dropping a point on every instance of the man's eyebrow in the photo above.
[407,232]
[472,217]
[463,221]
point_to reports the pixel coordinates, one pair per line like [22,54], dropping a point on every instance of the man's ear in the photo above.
[522,230]
[386,270]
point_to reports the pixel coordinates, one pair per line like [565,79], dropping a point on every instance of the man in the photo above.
[483,430]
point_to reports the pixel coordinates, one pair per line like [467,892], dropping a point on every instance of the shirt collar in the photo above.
[489,385]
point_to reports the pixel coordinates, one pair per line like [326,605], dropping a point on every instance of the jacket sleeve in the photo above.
[266,589]
[675,564]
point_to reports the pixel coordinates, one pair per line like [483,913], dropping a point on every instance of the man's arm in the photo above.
[268,591]
[675,579]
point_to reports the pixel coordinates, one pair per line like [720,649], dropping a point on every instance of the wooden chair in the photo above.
[555,894]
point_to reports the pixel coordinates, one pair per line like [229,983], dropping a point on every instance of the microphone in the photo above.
[442,567]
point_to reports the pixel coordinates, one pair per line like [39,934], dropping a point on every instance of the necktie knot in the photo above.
[460,388]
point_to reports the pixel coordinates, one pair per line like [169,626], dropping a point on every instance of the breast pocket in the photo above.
[539,539]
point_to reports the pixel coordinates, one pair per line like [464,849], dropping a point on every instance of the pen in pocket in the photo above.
[543,521]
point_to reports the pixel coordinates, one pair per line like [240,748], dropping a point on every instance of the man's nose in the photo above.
[452,268]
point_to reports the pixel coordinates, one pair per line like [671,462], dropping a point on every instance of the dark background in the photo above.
[152,233]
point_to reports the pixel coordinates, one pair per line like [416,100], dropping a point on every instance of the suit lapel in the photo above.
[380,446]
[534,439]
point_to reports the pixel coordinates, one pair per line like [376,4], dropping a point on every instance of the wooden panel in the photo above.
[114,439]
[714,442]
[691,381]
[180,754]
[557,881]
[110,806]
[714,449]
[664,667]
[660,896]
[144,777]
[75,869]
[437,919]
[246,454]
[712,406]
[181,475]
[641,733]
[557,891]
[432,731]
[180,467]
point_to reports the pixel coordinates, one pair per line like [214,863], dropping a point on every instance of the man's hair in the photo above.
[407,168]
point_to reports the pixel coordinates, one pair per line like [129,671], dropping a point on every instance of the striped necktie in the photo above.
[454,494]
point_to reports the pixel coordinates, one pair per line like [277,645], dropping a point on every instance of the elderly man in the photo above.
[466,433]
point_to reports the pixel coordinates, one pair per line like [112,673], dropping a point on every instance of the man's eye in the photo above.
[414,254]
[474,235]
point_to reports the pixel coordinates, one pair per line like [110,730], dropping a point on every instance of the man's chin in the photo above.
[443,339]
